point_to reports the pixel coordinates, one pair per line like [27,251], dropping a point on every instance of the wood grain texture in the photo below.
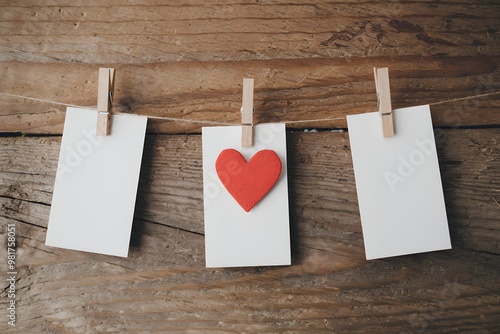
[285,90]
[163,285]
[120,31]
[309,60]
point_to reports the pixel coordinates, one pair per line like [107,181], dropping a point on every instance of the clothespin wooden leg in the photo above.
[388,125]
[384,100]
[105,100]
[247,113]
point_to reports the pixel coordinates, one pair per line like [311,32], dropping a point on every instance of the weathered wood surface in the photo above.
[310,60]
[330,287]
[187,59]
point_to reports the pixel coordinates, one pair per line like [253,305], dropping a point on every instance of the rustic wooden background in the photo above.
[310,60]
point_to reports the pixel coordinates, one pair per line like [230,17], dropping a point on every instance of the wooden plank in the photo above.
[124,32]
[163,285]
[310,60]
[285,90]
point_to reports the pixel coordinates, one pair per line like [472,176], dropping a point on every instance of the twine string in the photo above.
[199,121]
[41,100]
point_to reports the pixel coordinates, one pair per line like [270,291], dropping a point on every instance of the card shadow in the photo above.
[143,192]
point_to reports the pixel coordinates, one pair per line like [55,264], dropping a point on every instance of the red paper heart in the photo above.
[248,182]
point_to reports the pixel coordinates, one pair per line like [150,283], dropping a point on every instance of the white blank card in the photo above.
[96,184]
[398,182]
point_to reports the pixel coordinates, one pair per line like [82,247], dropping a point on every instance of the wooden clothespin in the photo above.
[384,100]
[247,113]
[105,100]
